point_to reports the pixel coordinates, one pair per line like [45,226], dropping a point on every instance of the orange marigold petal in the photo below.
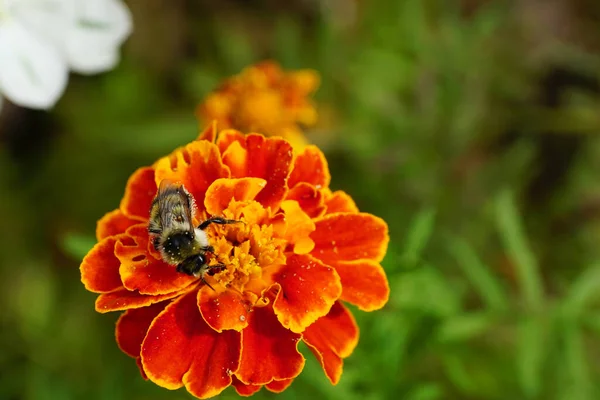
[244,390]
[124,299]
[269,351]
[181,349]
[332,364]
[309,198]
[338,330]
[332,338]
[340,201]
[229,137]
[222,191]
[299,227]
[310,166]
[133,325]
[305,81]
[210,133]
[236,158]
[100,268]
[196,166]
[225,310]
[113,223]
[364,283]
[279,386]
[308,290]
[141,271]
[345,236]
[139,193]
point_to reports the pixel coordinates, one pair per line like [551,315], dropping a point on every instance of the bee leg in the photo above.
[208,249]
[206,283]
[216,220]
[213,269]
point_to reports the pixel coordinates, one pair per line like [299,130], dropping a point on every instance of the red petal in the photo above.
[364,283]
[196,166]
[141,271]
[210,133]
[138,361]
[222,191]
[308,290]
[244,390]
[226,310]
[133,325]
[279,386]
[100,268]
[124,299]
[271,160]
[342,236]
[340,201]
[332,338]
[267,158]
[181,349]
[139,193]
[269,351]
[309,198]
[311,167]
[113,223]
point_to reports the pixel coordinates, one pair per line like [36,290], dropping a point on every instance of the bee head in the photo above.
[178,245]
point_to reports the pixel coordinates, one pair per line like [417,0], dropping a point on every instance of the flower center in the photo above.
[245,248]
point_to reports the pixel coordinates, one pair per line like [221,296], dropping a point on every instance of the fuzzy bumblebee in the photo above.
[173,233]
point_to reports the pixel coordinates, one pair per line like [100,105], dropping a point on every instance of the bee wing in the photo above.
[176,205]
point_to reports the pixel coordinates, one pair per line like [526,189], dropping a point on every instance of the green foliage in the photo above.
[440,122]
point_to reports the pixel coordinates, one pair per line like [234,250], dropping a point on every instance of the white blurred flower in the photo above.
[41,40]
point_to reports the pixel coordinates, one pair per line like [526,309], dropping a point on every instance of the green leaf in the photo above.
[530,355]
[578,382]
[458,373]
[417,237]
[582,291]
[465,326]
[425,289]
[487,286]
[426,391]
[511,232]
[77,245]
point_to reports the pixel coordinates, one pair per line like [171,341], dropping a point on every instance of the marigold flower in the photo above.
[301,251]
[263,98]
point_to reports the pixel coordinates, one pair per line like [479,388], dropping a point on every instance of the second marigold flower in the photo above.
[264,98]
[298,252]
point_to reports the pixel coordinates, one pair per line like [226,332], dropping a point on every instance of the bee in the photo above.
[173,233]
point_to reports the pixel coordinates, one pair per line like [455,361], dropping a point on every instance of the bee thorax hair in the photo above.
[201,238]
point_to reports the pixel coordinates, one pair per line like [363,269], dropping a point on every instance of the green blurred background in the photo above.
[472,127]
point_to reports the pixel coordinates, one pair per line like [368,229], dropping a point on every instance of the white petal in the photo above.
[100,29]
[47,19]
[32,72]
